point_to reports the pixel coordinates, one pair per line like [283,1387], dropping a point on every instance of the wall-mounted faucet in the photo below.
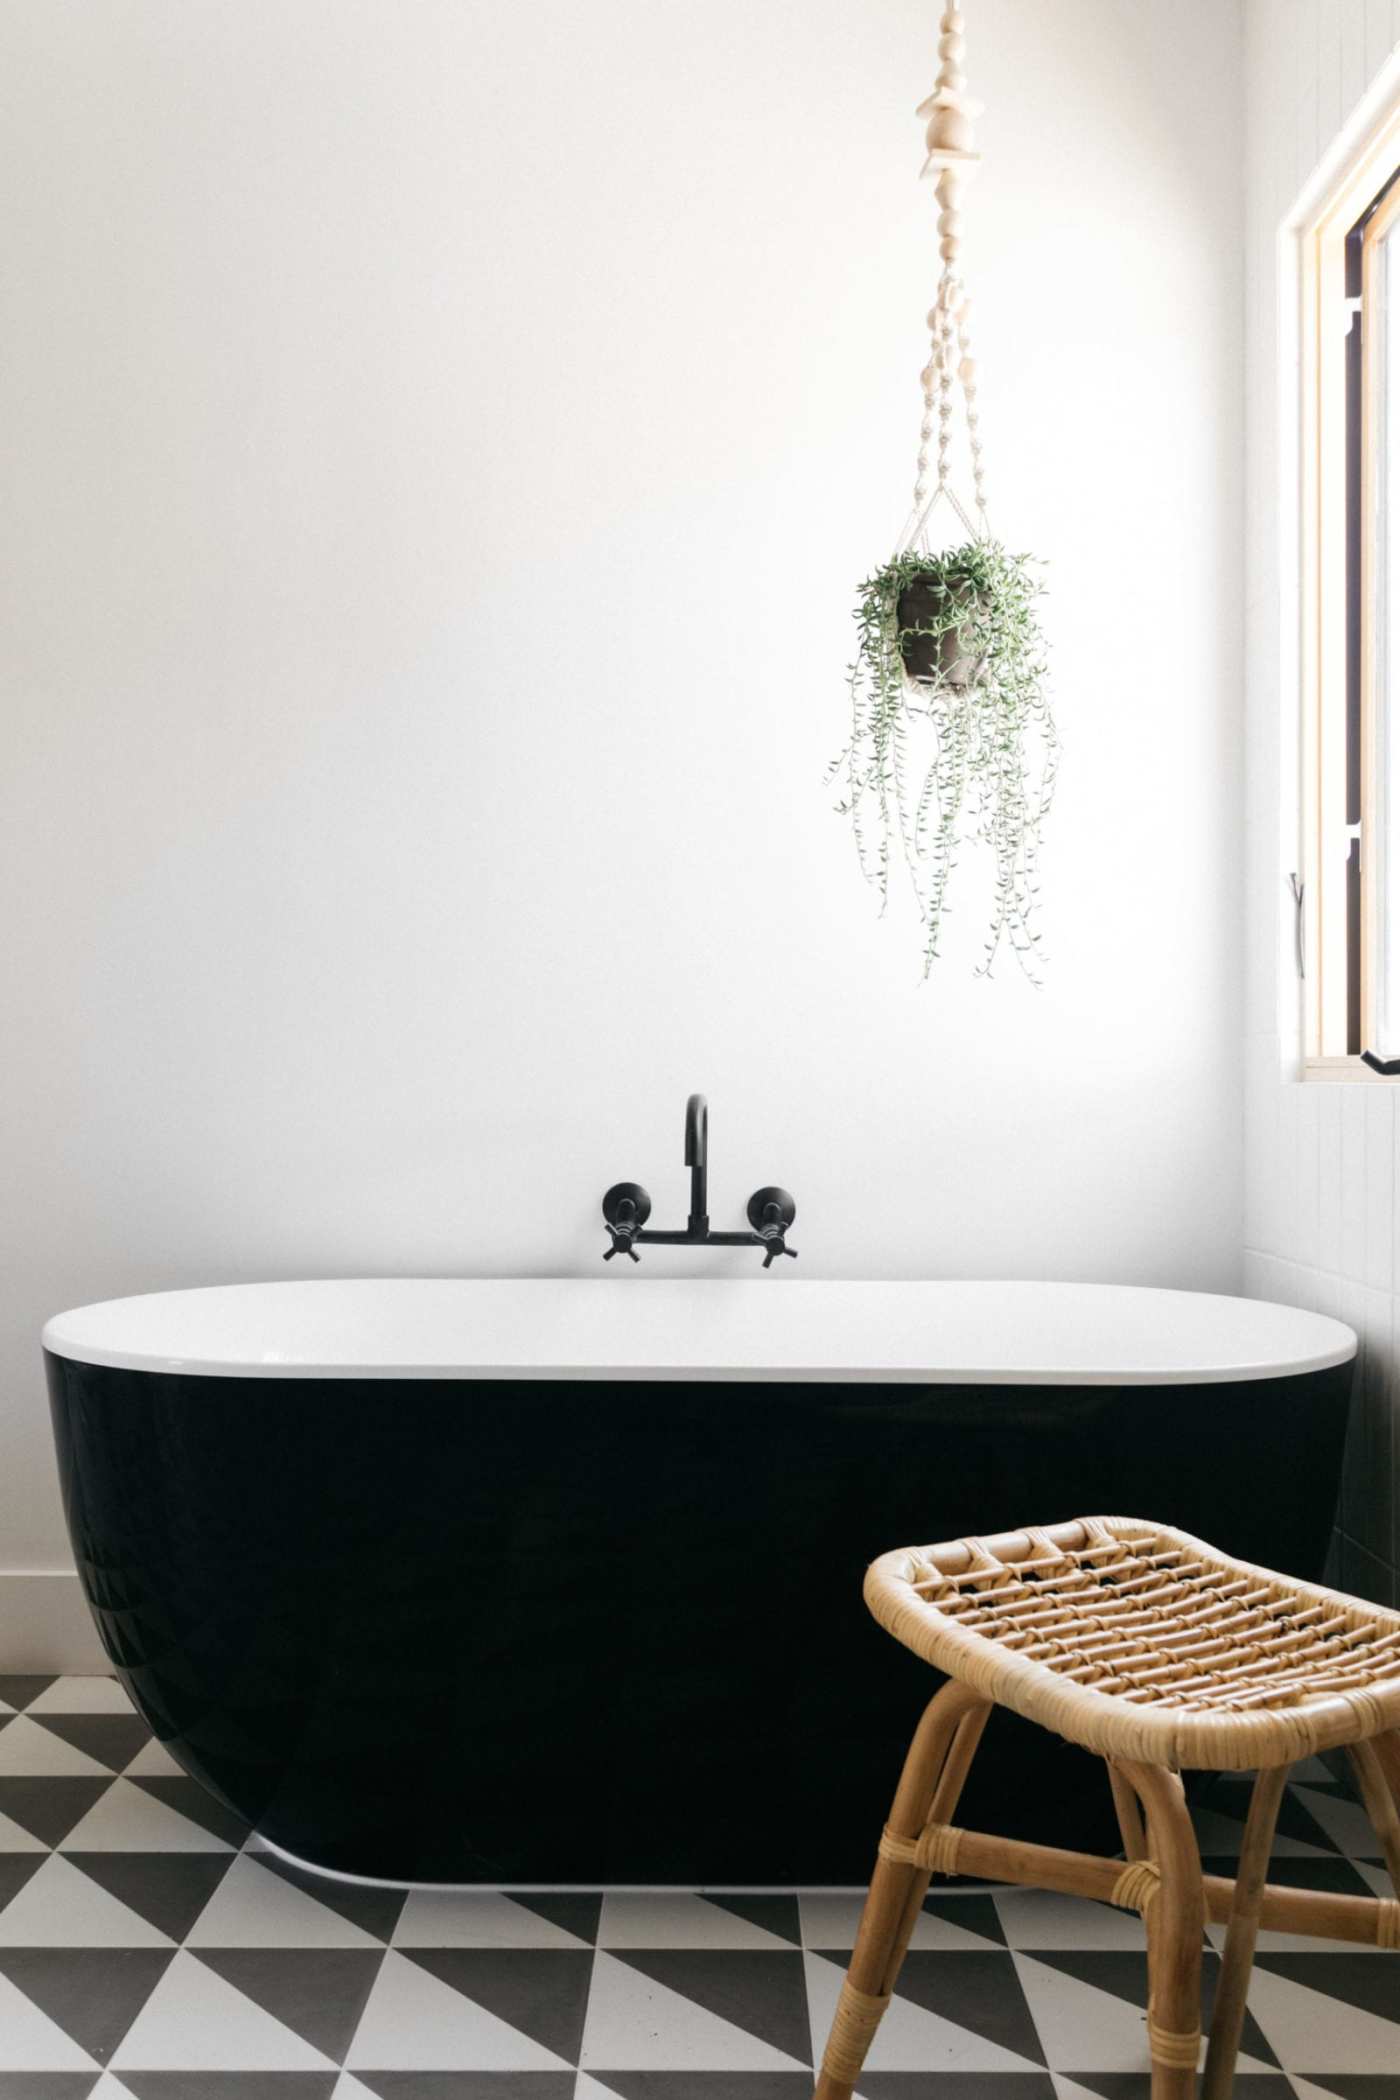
[627,1206]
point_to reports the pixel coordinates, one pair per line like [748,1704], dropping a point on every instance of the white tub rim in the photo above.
[704,1329]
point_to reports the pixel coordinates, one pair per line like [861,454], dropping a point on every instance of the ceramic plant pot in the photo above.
[950,658]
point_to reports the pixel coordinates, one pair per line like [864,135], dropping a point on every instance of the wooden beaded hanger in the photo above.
[949,112]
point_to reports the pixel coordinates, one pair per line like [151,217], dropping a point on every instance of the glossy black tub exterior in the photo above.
[596,1633]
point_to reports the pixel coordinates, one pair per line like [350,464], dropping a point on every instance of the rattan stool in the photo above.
[1157,1652]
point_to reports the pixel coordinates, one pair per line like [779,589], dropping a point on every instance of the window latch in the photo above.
[1388,1067]
[1297,889]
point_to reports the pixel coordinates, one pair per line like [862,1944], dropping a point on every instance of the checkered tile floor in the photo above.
[150,1950]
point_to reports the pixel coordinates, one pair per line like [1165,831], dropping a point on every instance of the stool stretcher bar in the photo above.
[1368,1921]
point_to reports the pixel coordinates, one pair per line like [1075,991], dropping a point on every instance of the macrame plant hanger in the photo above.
[951,367]
[952,736]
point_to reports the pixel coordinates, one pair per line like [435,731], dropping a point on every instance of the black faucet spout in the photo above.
[697,1149]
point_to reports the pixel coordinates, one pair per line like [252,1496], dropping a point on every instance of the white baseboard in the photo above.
[45,1625]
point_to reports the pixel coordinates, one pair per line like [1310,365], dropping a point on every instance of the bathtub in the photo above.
[560,1582]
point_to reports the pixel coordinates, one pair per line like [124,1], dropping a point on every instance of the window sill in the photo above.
[1346,1071]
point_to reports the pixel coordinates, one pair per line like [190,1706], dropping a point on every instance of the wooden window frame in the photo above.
[1353,202]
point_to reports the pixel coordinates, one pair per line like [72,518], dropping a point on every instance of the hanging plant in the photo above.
[951,731]
[952,735]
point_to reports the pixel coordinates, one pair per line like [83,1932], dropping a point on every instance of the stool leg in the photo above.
[1228,2023]
[1373,1785]
[1176,1923]
[1129,1814]
[1387,1749]
[933,1776]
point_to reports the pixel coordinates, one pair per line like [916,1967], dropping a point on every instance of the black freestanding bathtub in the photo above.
[560,1583]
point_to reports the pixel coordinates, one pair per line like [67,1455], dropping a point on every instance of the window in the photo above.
[1349,891]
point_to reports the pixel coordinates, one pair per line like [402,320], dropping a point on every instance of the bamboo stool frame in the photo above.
[1151,1648]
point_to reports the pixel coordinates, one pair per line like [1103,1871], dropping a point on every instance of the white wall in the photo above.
[440,447]
[1322,1184]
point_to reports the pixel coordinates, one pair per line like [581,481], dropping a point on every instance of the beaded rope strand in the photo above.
[949,112]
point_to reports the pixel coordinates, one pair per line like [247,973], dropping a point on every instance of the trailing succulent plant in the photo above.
[952,735]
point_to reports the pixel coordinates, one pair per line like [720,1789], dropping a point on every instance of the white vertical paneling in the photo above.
[1328,105]
[1380,1184]
[1307,1205]
[1353,61]
[1286,1125]
[1329,1177]
[1354,1183]
[1306,126]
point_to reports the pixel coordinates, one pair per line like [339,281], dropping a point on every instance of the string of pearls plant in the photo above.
[952,734]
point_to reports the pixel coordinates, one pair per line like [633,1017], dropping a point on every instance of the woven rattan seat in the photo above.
[1159,1653]
[1142,1642]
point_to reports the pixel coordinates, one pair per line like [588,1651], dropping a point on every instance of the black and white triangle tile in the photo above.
[152,1949]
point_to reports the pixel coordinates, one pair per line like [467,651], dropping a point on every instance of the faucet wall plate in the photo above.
[758,1206]
[627,1192]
